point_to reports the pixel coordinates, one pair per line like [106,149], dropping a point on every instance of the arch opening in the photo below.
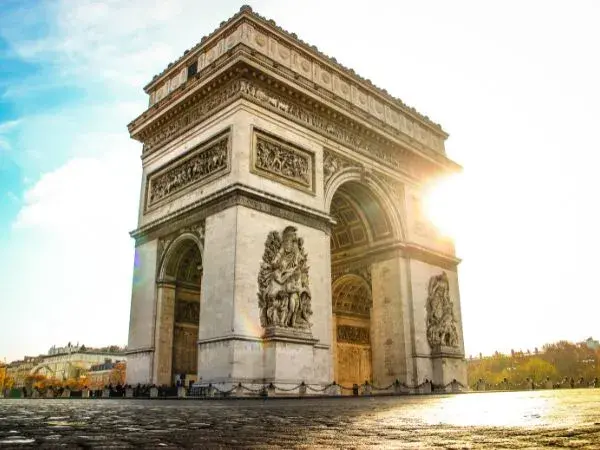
[182,269]
[361,223]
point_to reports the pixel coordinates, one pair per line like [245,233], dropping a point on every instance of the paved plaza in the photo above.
[480,420]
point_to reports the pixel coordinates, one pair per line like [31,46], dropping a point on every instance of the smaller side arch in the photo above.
[171,252]
[351,294]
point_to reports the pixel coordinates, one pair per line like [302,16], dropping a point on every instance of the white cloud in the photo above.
[124,43]
[5,129]
[521,108]
[70,258]
[86,193]
[8,125]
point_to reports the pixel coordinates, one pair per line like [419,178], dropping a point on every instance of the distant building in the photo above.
[62,363]
[19,370]
[73,363]
[592,344]
[100,374]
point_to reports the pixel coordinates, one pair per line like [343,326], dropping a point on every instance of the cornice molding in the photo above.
[273,39]
[393,249]
[250,83]
[235,195]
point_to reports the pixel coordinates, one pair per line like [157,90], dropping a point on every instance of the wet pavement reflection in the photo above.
[537,419]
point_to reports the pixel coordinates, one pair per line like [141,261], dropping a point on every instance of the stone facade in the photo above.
[280,236]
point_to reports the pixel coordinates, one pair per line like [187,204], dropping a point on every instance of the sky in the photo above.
[514,83]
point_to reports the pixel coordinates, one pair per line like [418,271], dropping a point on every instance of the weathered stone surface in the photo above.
[538,419]
[259,182]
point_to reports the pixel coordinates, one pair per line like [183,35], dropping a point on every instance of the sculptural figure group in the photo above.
[284,296]
[441,324]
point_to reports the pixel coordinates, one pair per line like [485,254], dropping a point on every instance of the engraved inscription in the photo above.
[353,335]
[187,312]
[284,162]
[207,161]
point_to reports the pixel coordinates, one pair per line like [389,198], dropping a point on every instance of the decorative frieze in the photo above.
[345,133]
[353,335]
[283,162]
[189,117]
[441,324]
[284,297]
[204,163]
[304,65]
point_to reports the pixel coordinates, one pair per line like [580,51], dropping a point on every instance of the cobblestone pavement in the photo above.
[479,420]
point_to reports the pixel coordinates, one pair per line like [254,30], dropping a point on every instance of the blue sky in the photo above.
[514,83]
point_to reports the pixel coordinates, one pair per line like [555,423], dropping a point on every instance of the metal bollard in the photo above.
[181,392]
[302,390]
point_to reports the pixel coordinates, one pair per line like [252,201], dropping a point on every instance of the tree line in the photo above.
[558,361]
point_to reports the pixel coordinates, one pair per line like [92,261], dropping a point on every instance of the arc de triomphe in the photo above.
[280,233]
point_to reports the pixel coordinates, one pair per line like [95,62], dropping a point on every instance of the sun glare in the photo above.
[441,203]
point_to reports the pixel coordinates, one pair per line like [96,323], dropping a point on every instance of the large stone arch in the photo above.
[388,195]
[179,282]
[367,222]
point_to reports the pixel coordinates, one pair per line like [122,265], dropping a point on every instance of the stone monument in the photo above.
[281,238]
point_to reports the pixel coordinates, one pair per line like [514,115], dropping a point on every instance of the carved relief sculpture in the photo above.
[441,324]
[284,297]
[283,162]
[333,163]
[209,159]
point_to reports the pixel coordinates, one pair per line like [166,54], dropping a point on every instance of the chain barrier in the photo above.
[364,389]
[262,389]
[383,389]
[229,391]
[310,388]
[290,389]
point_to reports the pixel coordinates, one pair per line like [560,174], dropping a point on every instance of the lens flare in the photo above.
[441,204]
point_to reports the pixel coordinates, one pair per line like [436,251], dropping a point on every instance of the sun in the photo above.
[441,204]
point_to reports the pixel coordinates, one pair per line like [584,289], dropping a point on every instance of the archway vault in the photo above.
[178,318]
[180,257]
[377,203]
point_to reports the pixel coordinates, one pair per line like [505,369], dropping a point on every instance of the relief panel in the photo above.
[283,162]
[202,164]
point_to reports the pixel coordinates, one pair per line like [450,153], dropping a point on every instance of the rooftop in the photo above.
[246,11]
